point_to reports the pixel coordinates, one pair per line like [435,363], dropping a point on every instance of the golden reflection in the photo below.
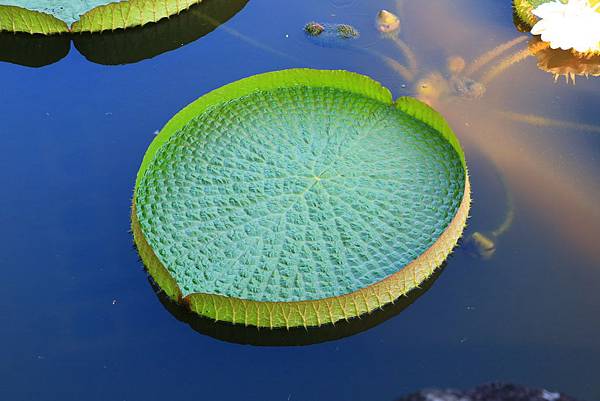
[458,79]
[564,199]
[548,122]
[470,95]
[490,55]
[509,61]
[564,63]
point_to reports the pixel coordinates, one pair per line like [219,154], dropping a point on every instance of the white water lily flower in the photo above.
[571,25]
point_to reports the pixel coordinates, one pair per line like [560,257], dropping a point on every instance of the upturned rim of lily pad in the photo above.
[315,312]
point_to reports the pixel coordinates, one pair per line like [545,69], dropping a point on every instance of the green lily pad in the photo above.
[298,198]
[523,10]
[61,16]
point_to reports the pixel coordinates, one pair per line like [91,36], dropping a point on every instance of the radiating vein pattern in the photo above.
[297,194]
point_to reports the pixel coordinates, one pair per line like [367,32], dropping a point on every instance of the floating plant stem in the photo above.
[407,52]
[509,215]
[406,73]
[490,55]
[513,59]
[484,243]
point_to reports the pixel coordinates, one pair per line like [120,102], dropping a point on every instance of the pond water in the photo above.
[80,320]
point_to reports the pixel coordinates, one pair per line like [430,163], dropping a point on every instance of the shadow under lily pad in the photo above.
[296,336]
[33,50]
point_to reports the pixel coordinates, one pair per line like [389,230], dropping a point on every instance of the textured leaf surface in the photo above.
[18,19]
[345,80]
[326,194]
[129,13]
[292,204]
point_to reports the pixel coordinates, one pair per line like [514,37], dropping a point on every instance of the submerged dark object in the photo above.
[482,245]
[488,392]
[314,28]
[330,34]
[347,31]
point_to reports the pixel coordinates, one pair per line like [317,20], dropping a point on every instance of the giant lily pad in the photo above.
[298,198]
[61,16]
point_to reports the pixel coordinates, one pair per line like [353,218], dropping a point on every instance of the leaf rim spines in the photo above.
[293,314]
[365,300]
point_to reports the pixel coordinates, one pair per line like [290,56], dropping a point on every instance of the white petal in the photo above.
[571,25]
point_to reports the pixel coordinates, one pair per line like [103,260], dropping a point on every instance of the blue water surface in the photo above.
[80,321]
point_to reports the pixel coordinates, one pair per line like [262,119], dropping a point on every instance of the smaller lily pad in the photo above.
[298,198]
[61,16]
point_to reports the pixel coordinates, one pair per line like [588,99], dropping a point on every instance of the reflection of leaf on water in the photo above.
[121,46]
[240,334]
[33,50]
[557,61]
[564,63]
[132,45]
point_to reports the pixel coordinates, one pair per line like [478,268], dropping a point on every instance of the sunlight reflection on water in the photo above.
[558,186]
